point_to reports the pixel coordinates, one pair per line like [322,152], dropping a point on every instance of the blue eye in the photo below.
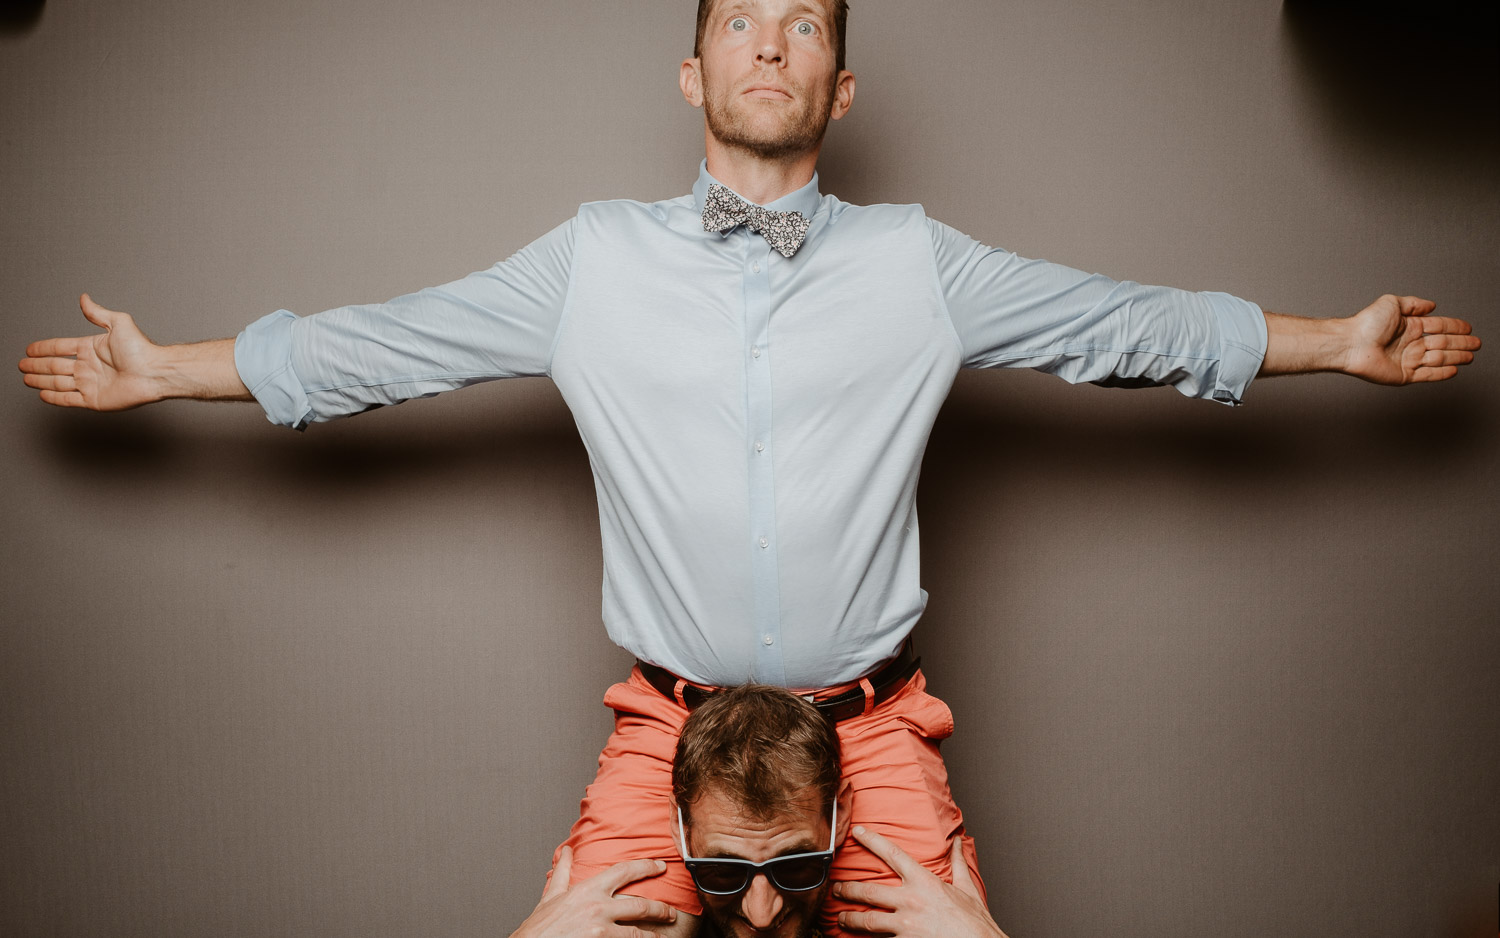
[805,28]
[738,24]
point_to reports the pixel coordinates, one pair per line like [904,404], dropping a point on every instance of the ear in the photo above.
[843,94]
[846,812]
[690,80]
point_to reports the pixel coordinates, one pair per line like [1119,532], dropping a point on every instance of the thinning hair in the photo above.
[838,12]
[763,747]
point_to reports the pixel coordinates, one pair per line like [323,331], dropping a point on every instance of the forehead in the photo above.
[818,9]
[721,827]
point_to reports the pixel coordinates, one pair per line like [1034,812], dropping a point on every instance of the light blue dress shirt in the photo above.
[754,423]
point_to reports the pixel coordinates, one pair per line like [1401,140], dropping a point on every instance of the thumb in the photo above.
[96,314]
[1415,305]
[962,881]
[561,873]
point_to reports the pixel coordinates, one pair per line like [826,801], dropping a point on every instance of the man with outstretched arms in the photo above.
[754,368]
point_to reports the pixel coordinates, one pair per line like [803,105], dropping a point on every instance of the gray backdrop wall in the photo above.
[1215,671]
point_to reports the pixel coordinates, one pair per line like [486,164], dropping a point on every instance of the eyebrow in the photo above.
[801,846]
[819,11]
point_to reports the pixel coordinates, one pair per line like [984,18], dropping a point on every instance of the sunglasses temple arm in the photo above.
[833,822]
[682,835]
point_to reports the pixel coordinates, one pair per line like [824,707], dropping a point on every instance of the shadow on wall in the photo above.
[20,16]
[978,431]
[1414,78]
[339,462]
[980,425]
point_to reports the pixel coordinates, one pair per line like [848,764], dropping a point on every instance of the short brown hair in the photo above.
[763,747]
[838,11]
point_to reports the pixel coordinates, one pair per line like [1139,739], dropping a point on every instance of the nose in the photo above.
[770,47]
[761,903]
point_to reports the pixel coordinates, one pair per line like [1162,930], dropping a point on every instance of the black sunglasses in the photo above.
[729,876]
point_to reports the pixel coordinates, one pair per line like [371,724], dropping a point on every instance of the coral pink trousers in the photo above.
[890,757]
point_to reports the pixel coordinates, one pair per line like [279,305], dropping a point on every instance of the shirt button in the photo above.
[765,542]
[755,267]
[768,640]
[760,447]
[755,351]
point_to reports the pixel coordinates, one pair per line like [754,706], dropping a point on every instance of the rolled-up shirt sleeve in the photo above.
[1012,312]
[496,323]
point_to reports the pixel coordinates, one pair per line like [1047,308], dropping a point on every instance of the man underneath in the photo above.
[761,809]
[754,370]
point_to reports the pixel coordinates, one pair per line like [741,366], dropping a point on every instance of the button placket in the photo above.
[765,578]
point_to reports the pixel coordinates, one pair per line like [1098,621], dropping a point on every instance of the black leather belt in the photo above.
[891,677]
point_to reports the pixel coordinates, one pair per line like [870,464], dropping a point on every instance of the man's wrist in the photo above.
[201,371]
[1296,345]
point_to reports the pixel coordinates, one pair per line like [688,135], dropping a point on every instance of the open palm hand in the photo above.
[111,370]
[1397,341]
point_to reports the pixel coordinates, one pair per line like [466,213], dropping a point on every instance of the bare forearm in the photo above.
[202,371]
[1295,345]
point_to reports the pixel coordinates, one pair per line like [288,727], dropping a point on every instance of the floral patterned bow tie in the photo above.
[722,210]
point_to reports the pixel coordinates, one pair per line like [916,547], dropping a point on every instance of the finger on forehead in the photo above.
[45,347]
[896,858]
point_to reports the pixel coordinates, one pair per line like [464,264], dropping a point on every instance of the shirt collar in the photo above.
[804,200]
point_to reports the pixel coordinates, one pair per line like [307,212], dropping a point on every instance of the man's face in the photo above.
[768,76]
[720,827]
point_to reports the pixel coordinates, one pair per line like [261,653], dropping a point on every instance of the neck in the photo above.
[760,179]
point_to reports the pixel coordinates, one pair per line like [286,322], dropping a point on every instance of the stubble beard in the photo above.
[798,132]
[722,926]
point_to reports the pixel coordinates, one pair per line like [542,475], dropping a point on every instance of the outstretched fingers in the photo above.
[51,382]
[1446,346]
[1445,325]
[1424,373]
[1434,357]
[55,348]
[63,398]
[48,366]
[1463,345]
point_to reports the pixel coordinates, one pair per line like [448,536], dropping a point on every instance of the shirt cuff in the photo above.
[263,357]
[1242,345]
